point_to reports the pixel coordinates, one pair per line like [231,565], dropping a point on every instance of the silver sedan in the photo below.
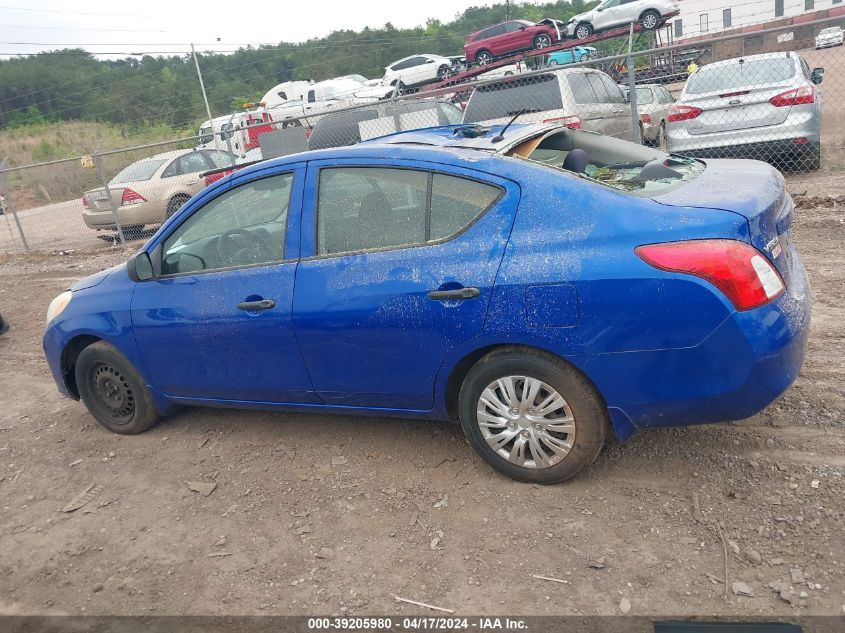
[761,106]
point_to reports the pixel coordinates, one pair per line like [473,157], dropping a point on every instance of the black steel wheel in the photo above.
[113,391]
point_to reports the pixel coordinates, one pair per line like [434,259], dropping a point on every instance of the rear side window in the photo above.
[506,98]
[366,208]
[581,90]
[741,74]
[598,87]
[614,92]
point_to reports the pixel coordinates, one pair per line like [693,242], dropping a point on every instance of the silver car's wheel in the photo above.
[650,20]
[552,63]
[526,421]
[583,31]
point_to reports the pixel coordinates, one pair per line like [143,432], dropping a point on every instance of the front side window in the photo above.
[644,96]
[598,87]
[242,227]
[614,92]
[365,208]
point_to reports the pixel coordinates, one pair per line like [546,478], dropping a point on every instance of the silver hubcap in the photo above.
[649,21]
[583,32]
[526,421]
[543,42]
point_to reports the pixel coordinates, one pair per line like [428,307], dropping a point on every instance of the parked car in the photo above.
[650,14]
[653,102]
[580,97]
[572,55]
[510,37]
[831,36]
[409,277]
[418,69]
[150,190]
[761,106]
[347,128]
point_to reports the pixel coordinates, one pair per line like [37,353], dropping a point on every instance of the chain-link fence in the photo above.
[774,95]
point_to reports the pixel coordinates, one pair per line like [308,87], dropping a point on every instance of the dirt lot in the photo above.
[320,514]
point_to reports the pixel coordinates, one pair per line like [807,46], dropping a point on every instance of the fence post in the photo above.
[7,207]
[632,90]
[105,182]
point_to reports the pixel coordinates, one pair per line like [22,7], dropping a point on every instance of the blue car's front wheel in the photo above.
[532,416]
[113,391]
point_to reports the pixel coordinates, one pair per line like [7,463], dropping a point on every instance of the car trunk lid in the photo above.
[737,109]
[752,189]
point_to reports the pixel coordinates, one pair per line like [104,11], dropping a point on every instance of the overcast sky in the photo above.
[102,26]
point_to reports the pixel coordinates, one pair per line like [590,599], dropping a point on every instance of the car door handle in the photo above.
[459,294]
[256,306]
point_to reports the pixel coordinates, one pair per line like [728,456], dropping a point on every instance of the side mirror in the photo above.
[140,267]
[522,28]
[817,75]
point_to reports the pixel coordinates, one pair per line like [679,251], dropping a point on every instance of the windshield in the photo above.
[136,172]
[740,73]
[832,30]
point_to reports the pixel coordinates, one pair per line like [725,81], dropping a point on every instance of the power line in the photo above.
[79,28]
[122,15]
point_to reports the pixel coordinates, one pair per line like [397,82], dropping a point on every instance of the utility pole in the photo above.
[204,96]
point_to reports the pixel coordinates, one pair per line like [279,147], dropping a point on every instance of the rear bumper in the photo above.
[144,213]
[766,150]
[741,368]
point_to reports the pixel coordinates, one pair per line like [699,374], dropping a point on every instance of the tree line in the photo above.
[71,84]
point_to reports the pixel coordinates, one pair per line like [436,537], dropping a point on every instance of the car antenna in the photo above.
[501,135]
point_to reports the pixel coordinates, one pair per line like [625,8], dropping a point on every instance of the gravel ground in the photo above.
[337,515]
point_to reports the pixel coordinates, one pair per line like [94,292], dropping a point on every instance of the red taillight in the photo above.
[85,201]
[739,270]
[682,113]
[131,197]
[572,121]
[644,118]
[799,96]
[308,131]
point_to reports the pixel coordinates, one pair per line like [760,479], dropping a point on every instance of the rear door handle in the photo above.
[459,294]
[257,306]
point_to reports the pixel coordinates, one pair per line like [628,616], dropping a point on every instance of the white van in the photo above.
[232,133]
[286,91]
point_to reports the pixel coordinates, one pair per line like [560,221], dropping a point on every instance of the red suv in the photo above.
[511,37]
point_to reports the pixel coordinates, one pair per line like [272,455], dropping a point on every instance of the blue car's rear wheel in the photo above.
[113,391]
[531,416]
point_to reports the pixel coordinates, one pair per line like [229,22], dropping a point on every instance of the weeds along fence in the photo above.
[707,99]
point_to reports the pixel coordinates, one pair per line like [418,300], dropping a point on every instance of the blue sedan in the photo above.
[542,285]
[571,55]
